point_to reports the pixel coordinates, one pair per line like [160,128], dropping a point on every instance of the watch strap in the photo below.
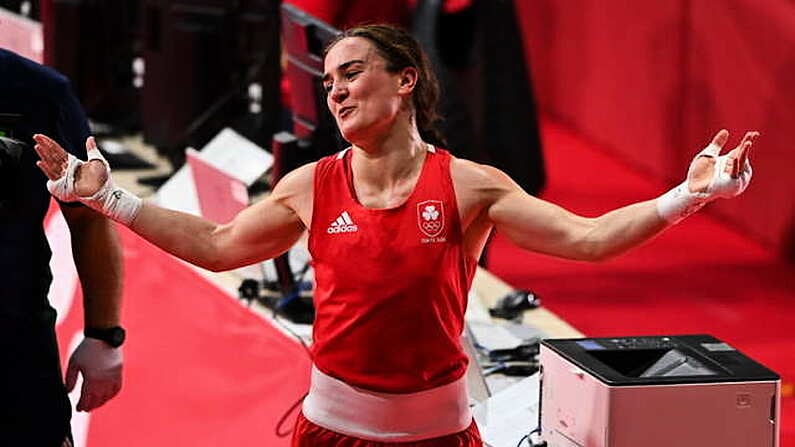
[114,336]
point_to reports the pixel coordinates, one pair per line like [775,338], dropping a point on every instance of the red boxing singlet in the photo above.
[392,283]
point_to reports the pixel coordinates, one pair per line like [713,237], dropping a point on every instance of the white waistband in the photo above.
[375,416]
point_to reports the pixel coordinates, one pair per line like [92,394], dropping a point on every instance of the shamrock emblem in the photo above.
[430,213]
[430,217]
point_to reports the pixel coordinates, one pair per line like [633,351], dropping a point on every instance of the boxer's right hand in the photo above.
[71,179]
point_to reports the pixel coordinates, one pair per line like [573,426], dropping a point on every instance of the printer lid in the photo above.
[655,360]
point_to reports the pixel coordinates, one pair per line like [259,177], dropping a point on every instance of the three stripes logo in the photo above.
[343,224]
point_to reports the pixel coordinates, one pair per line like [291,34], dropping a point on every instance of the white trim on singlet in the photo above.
[341,154]
[387,417]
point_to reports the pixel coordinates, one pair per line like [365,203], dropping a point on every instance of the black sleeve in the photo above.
[71,126]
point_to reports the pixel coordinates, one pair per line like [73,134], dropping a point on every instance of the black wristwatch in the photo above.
[114,336]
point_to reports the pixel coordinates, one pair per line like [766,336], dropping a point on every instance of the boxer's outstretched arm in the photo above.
[261,231]
[540,226]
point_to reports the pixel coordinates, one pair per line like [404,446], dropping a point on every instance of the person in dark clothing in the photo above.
[36,410]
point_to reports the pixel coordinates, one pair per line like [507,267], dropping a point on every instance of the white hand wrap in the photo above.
[110,200]
[680,202]
[63,188]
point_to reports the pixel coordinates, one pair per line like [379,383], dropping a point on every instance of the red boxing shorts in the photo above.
[308,434]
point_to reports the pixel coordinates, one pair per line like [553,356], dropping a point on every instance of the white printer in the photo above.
[657,391]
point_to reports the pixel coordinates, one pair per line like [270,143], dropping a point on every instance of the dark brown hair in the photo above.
[401,50]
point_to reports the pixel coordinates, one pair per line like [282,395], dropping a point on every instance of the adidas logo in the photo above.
[343,224]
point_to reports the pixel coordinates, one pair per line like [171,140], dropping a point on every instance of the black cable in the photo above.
[286,415]
[538,442]
[529,438]
[275,316]
[296,292]
[283,419]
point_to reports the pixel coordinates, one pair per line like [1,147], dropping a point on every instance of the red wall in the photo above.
[653,81]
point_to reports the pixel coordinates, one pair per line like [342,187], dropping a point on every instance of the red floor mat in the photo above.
[200,369]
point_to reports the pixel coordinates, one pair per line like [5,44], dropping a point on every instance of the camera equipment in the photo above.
[513,369]
[512,305]
[523,353]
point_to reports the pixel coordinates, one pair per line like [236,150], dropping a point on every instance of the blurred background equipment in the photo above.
[203,59]
[305,38]
[179,71]
[512,305]
[92,42]
[314,135]
[20,31]
[487,101]
[26,8]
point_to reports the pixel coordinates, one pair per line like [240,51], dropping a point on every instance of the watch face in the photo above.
[116,337]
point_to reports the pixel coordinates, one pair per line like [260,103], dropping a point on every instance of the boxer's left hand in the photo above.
[714,175]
